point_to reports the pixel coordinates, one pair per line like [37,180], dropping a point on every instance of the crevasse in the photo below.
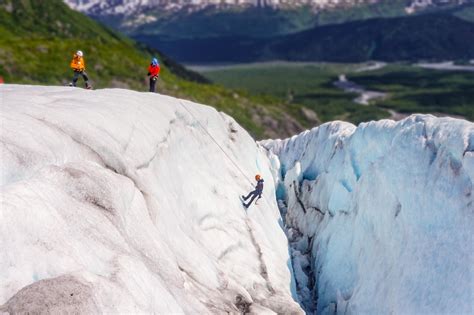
[122,202]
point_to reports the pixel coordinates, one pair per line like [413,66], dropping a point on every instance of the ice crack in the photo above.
[263,266]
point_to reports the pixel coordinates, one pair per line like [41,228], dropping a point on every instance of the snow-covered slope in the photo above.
[417,5]
[112,7]
[126,7]
[121,202]
[381,216]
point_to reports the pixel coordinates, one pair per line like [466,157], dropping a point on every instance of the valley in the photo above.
[407,88]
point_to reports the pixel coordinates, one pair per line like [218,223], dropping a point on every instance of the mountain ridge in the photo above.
[422,37]
[163,17]
[240,32]
[127,7]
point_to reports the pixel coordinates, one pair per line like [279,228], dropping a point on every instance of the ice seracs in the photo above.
[383,214]
[115,201]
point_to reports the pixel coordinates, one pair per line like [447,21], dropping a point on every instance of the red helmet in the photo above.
[257,177]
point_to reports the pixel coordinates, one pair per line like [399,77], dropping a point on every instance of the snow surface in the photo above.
[384,212]
[120,202]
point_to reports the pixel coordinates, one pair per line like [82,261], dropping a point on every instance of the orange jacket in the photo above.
[78,63]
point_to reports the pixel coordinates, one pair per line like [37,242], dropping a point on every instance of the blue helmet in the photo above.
[154,61]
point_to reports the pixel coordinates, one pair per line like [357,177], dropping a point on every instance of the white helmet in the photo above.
[79,53]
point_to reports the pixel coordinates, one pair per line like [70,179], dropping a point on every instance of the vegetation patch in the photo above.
[410,89]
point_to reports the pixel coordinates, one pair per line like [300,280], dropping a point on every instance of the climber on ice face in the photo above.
[255,193]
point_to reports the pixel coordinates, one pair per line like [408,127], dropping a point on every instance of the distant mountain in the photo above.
[421,37]
[132,7]
[251,30]
[256,18]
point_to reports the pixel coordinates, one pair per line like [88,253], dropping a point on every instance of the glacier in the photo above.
[380,216]
[116,201]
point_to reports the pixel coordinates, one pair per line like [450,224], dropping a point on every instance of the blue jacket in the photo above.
[259,187]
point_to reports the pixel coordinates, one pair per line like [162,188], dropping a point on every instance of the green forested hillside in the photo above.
[423,37]
[409,88]
[38,38]
[433,36]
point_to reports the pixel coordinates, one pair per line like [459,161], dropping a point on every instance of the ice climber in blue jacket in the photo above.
[255,193]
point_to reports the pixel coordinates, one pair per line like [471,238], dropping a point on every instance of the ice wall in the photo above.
[114,201]
[380,217]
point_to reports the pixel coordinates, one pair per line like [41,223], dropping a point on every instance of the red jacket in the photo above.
[153,70]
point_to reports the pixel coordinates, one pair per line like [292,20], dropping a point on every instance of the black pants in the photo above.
[254,195]
[153,81]
[76,77]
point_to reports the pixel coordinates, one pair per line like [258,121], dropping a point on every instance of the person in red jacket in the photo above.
[153,72]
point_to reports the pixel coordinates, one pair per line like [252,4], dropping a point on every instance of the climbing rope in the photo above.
[215,141]
[222,149]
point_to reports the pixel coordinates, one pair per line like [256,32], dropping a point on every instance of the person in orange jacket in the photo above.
[78,65]
[153,72]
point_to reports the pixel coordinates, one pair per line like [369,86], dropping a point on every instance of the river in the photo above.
[365,96]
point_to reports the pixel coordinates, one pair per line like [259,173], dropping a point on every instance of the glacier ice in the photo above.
[116,201]
[124,202]
[387,209]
